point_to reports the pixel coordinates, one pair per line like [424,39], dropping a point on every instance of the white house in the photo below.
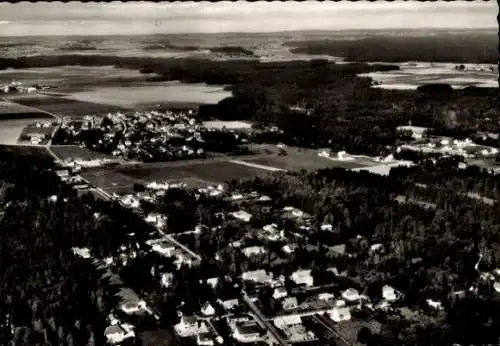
[435,304]
[325,296]
[253,250]
[213,282]
[164,248]
[351,295]
[280,292]
[189,326]
[287,320]
[242,215]
[166,279]
[205,339]
[207,309]
[289,248]
[339,314]
[302,277]
[116,334]
[257,276]
[133,307]
[230,303]
[389,293]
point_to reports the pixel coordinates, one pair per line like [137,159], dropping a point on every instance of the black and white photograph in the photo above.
[249,173]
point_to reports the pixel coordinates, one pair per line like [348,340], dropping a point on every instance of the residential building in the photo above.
[351,295]
[260,276]
[242,215]
[340,313]
[116,334]
[207,309]
[389,293]
[205,339]
[302,277]
[290,303]
[189,326]
[325,296]
[133,307]
[247,332]
[297,333]
[434,304]
[289,248]
[230,304]
[280,292]
[167,279]
[287,320]
[254,250]
[213,282]
[164,248]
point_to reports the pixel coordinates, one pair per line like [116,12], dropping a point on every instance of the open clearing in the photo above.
[65,152]
[64,106]
[11,110]
[36,151]
[209,172]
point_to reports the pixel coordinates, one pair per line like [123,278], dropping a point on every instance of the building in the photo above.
[133,307]
[205,339]
[290,303]
[164,248]
[417,132]
[189,326]
[325,296]
[207,309]
[230,304]
[259,276]
[351,295]
[280,292]
[302,277]
[434,304]
[287,320]
[213,282]
[254,250]
[289,248]
[389,293]
[241,215]
[116,334]
[340,313]
[247,332]
[167,279]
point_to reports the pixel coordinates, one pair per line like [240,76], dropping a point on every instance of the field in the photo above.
[152,93]
[208,172]
[76,152]
[64,106]
[36,151]
[10,110]
[10,130]
[412,76]
[110,180]
[297,159]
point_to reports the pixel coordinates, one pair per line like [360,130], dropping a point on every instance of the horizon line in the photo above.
[492,28]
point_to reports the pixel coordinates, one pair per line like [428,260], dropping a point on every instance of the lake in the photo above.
[412,75]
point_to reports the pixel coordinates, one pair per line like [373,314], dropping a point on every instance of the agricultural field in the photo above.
[110,180]
[65,152]
[308,159]
[64,106]
[11,110]
[202,172]
[36,151]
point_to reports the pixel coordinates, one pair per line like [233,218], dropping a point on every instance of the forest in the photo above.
[441,47]
[49,295]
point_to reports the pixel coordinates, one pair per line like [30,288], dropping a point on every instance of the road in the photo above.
[340,340]
[263,321]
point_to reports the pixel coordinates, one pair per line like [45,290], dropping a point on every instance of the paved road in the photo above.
[263,321]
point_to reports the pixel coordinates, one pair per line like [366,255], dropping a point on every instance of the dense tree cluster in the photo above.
[443,47]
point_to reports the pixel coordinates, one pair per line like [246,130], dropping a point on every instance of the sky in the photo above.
[142,18]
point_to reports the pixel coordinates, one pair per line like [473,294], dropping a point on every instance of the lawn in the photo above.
[76,152]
